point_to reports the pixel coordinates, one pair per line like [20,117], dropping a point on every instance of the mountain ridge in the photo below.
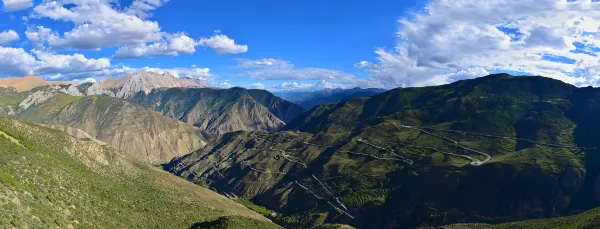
[140,132]
[489,150]
[220,111]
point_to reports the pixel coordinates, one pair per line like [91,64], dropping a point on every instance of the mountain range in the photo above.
[499,151]
[310,99]
[142,133]
[219,111]
[113,111]
[489,150]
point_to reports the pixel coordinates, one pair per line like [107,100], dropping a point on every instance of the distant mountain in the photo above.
[193,101]
[219,111]
[488,150]
[310,99]
[143,81]
[26,83]
[145,134]
[49,179]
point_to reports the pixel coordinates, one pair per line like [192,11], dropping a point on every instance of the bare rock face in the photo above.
[95,88]
[71,90]
[144,81]
[36,98]
[144,134]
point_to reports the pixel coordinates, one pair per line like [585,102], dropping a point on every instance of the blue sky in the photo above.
[332,35]
[302,45]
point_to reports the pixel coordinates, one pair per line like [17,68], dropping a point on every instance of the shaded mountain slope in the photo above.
[145,134]
[220,111]
[49,179]
[489,150]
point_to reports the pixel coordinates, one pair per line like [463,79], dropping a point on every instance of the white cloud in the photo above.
[264,63]
[273,69]
[320,85]
[8,37]
[291,86]
[15,5]
[363,64]
[68,64]
[82,81]
[224,84]
[174,45]
[222,44]
[97,24]
[451,36]
[141,8]
[18,62]
[257,86]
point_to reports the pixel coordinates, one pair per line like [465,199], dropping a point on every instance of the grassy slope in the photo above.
[586,220]
[50,179]
[522,181]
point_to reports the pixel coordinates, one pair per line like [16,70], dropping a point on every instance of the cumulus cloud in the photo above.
[18,62]
[257,86]
[15,5]
[222,44]
[320,85]
[97,24]
[82,81]
[557,39]
[273,69]
[142,8]
[224,84]
[8,37]
[173,45]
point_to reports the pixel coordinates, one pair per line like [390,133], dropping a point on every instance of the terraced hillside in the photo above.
[489,150]
[145,134]
[49,179]
[219,111]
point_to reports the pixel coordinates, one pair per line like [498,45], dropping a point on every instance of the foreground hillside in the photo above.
[51,180]
[142,133]
[489,150]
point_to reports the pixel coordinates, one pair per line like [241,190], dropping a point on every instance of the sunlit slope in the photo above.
[49,179]
[143,133]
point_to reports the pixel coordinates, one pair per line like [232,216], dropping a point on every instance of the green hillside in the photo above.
[489,150]
[51,180]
